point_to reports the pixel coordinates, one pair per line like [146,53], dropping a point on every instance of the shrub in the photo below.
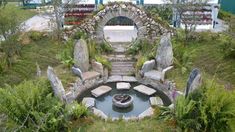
[31,106]
[35,36]
[80,34]
[105,48]
[11,48]
[104,62]
[76,110]
[92,48]
[227,46]
[140,61]
[66,55]
[210,108]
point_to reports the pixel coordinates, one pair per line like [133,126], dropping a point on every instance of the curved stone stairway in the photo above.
[122,65]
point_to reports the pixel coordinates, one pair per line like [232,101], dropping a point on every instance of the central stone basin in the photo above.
[122,100]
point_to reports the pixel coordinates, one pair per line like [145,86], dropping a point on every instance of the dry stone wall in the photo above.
[147,27]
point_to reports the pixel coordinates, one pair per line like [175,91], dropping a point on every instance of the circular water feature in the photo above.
[140,101]
[122,100]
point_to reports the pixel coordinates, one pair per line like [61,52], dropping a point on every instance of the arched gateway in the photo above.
[146,26]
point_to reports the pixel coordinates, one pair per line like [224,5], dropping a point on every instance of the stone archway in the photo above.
[146,26]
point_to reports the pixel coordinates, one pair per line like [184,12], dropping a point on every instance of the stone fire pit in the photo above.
[122,100]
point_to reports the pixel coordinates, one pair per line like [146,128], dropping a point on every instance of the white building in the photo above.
[208,15]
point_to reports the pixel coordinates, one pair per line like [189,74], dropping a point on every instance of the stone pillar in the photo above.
[81,55]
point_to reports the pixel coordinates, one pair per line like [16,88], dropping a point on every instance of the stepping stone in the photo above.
[88,102]
[146,113]
[115,79]
[129,79]
[100,91]
[123,85]
[100,114]
[145,90]
[156,101]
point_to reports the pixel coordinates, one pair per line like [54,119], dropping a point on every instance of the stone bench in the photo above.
[100,91]
[145,90]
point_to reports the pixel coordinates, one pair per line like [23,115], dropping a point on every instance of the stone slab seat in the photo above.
[145,90]
[90,75]
[157,75]
[101,91]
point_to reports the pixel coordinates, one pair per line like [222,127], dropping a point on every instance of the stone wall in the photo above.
[147,27]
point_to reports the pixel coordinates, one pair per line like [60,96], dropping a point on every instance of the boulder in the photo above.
[194,81]
[81,55]
[164,57]
[88,102]
[147,66]
[56,84]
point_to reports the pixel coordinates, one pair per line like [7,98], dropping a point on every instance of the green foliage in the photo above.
[105,48]
[35,36]
[92,48]
[224,15]
[210,108]
[11,48]
[143,47]
[66,55]
[76,110]
[104,62]
[161,12]
[140,61]
[80,34]
[227,46]
[9,21]
[218,110]
[31,106]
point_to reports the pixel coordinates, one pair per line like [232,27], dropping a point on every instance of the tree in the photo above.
[3,3]
[9,22]
[185,13]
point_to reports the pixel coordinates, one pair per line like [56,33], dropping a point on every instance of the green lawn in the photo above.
[24,14]
[42,52]
[94,124]
[206,55]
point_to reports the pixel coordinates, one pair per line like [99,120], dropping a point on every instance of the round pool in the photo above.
[140,101]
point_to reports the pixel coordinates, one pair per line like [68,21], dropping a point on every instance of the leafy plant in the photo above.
[105,48]
[35,36]
[66,55]
[210,108]
[31,106]
[76,110]
[104,62]
[11,48]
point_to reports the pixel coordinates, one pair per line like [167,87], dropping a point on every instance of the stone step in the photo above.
[121,64]
[121,73]
[123,70]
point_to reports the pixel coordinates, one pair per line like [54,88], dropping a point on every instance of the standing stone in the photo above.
[147,66]
[56,84]
[81,55]
[194,81]
[164,56]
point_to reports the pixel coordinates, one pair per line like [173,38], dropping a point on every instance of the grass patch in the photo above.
[42,52]
[22,13]
[94,124]
[204,53]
